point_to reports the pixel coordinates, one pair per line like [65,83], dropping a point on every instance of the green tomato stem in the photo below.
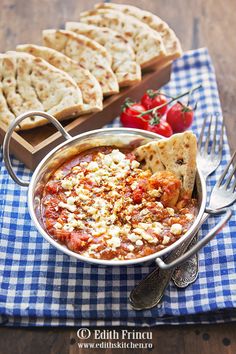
[153,110]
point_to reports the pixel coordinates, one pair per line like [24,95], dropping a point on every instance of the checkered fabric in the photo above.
[40,286]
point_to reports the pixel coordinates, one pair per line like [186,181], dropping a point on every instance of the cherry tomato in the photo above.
[163,128]
[129,116]
[152,99]
[180,117]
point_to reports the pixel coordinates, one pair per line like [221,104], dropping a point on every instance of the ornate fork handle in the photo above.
[148,293]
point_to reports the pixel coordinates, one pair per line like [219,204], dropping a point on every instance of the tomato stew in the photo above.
[101,204]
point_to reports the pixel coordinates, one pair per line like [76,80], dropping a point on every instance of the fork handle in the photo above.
[199,245]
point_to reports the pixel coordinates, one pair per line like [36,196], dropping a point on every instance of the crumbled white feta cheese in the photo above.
[92,210]
[155,193]
[126,229]
[83,197]
[166,239]
[71,220]
[130,248]
[134,185]
[189,216]
[135,164]
[139,243]
[80,224]
[71,208]
[68,227]
[144,212]
[76,169]
[146,236]
[107,160]
[112,218]
[114,242]
[71,200]
[114,231]
[92,166]
[171,211]
[157,224]
[93,246]
[113,194]
[59,175]
[130,208]
[157,230]
[81,192]
[159,204]
[138,231]
[57,225]
[118,205]
[133,237]
[117,156]
[67,184]
[176,229]
[144,225]
[99,231]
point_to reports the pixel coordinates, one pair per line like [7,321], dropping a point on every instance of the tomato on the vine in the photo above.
[180,117]
[162,128]
[152,99]
[130,115]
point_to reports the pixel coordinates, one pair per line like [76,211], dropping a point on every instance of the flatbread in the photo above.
[90,88]
[126,69]
[147,43]
[6,116]
[88,53]
[30,83]
[176,154]
[170,40]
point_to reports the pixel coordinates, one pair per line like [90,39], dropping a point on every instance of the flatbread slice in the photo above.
[6,116]
[126,69]
[149,155]
[147,43]
[170,40]
[90,88]
[30,83]
[176,154]
[88,53]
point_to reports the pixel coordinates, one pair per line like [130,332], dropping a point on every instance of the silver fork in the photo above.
[149,292]
[208,159]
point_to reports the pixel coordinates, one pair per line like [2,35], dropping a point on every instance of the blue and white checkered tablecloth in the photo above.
[41,286]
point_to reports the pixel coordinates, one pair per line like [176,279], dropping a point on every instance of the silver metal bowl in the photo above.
[120,137]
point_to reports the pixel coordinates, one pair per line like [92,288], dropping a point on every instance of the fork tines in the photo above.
[231,173]
[210,145]
[211,136]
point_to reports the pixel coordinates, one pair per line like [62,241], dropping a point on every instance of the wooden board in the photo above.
[32,145]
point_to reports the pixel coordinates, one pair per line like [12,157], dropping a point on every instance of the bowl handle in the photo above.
[161,264]
[7,138]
